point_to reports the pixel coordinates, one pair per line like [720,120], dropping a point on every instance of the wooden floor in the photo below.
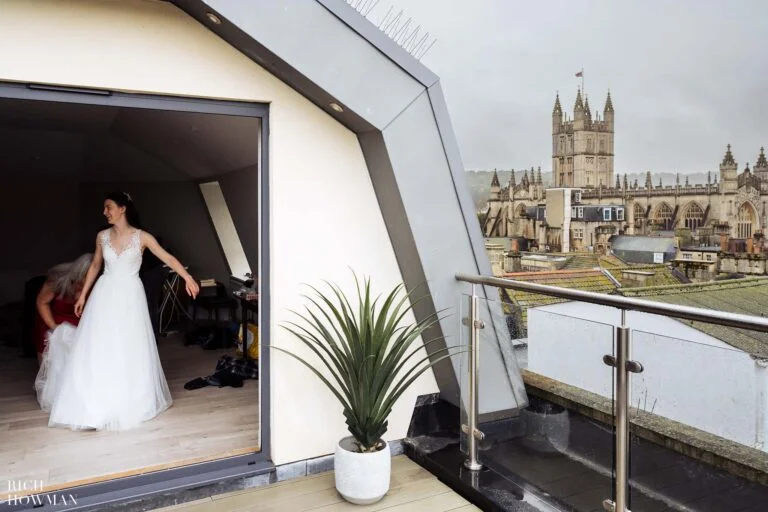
[412,489]
[203,424]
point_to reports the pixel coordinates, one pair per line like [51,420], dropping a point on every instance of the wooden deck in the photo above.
[202,425]
[412,489]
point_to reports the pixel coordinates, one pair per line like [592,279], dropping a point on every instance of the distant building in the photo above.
[698,263]
[591,205]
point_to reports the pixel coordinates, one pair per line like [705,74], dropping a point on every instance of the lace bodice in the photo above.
[127,261]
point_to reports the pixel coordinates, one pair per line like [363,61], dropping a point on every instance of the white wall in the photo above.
[324,212]
[688,376]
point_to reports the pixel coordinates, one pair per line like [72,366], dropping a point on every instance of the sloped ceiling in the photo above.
[44,140]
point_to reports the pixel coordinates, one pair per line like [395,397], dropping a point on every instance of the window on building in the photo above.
[602,145]
[687,256]
[606,214]
[694,217]
[663,217]
[619,213]
[745,221]
[578,233]
[573,212]
[225,228]
[709,257]
[580,212]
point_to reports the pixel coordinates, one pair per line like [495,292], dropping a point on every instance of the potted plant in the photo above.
[370,358]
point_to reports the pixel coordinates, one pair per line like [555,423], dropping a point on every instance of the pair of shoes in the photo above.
[197,383]
[218,379]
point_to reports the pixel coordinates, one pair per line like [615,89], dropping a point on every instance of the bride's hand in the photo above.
[79,305]
[192,287]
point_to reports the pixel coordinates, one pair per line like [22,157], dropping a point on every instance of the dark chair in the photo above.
[212,299]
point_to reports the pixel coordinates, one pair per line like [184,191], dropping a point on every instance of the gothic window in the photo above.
[639,211]
[694,217]
[664,217]
[745,221]
[602,145]
[590,145]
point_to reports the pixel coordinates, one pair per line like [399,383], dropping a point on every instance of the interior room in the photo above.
[194,178]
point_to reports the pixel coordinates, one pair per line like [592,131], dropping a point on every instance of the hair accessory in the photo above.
[128,196]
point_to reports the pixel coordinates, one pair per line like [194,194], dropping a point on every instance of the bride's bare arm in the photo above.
[150,243]
[90,276]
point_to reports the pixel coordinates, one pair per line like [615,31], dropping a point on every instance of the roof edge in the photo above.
[379,40]
[677,289]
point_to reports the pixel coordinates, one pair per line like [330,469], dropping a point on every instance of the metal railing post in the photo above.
[622,415]
[471,430]
[623,366]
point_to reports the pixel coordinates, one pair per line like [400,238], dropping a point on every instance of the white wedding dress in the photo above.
[107,375]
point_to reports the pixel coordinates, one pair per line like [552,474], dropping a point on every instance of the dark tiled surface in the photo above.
[565,464]
[486,489]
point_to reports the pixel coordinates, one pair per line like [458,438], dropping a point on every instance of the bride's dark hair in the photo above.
[131,213]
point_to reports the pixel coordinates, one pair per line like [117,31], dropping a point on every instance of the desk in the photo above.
[246,306]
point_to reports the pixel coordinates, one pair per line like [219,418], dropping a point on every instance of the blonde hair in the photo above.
[65,276]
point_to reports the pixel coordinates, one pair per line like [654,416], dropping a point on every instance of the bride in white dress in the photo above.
[112,378]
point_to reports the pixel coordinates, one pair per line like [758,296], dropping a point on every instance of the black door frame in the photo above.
[194,475]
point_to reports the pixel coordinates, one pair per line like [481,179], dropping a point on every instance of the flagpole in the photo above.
[582,81]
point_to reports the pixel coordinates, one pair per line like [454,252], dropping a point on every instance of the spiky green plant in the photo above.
[368,352]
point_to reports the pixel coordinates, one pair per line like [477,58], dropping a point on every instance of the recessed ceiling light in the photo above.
[213,18]
[337,107]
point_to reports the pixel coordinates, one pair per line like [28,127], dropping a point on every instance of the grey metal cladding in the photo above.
[327,51]
[315,42]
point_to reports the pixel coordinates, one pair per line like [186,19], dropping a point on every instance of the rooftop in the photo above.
[643,243]
[712,248]
[663,275]
[746,296]
[588,260]
[593,280]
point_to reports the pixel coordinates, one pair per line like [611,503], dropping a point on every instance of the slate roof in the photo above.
[587,280]
[746,296]
[663,274]
[643,243]
[586,260]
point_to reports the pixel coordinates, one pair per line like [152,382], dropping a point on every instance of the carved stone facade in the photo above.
[582,147]
[734,207]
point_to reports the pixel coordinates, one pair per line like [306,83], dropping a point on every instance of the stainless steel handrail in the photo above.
[623,366]
[711,316]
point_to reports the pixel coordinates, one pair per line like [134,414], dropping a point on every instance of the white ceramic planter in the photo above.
[361,478]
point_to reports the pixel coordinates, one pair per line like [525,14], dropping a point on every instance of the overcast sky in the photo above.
[686,76]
